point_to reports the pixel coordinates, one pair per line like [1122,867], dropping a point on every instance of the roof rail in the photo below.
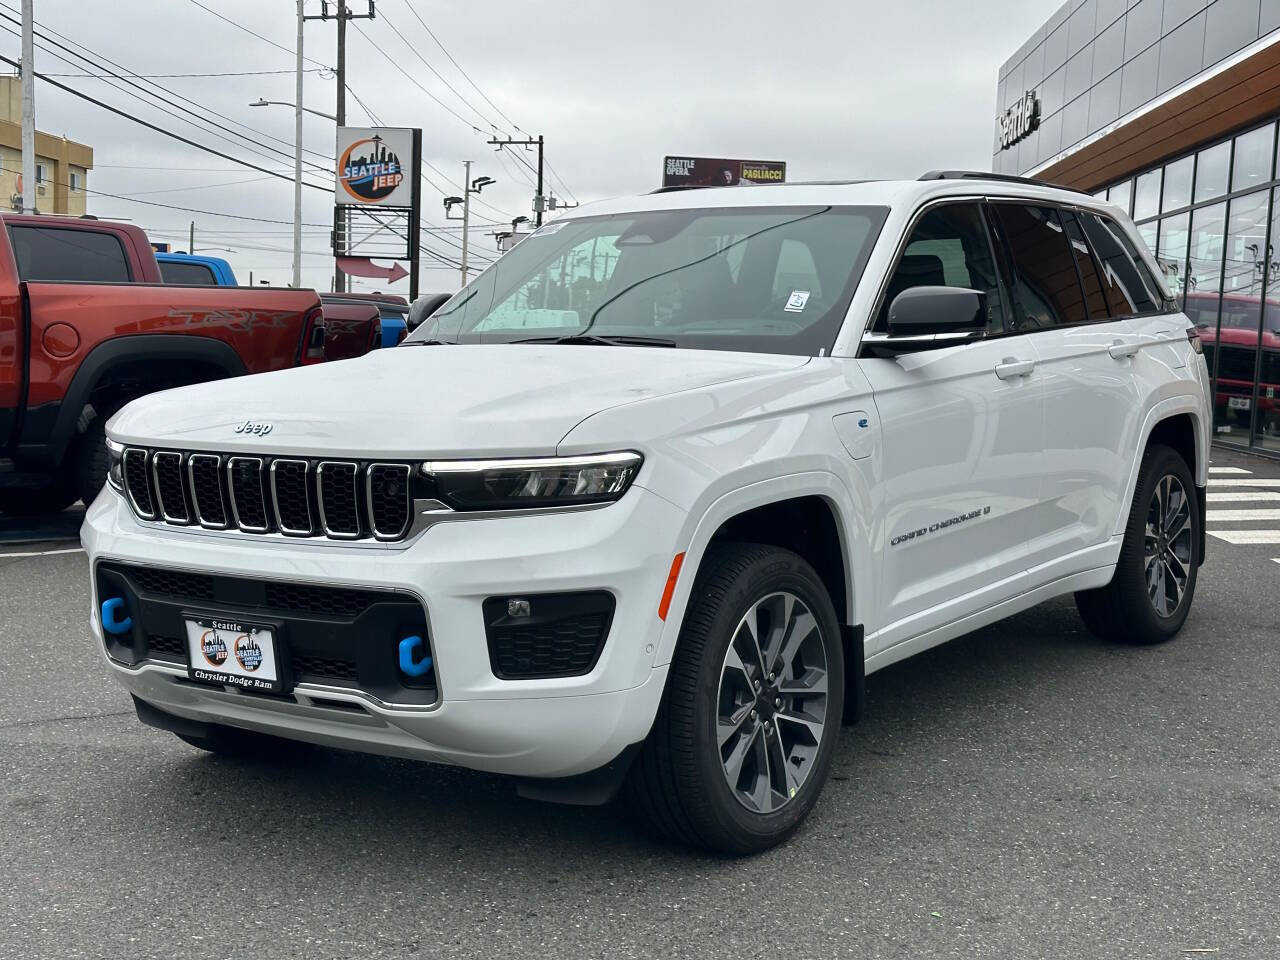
[1001,177]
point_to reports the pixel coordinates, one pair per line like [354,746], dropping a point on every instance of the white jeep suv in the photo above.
[640,507]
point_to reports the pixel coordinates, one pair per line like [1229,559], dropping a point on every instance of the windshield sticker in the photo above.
[797,300]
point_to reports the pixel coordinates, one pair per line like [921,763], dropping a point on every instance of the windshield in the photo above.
[761,279]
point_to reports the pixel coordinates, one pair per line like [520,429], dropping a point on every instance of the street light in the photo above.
[285,103]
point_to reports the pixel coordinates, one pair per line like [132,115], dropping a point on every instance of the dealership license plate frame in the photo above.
[231,626]
[1239,403]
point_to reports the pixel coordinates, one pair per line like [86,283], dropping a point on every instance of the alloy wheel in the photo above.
[772,702]
[1167,545]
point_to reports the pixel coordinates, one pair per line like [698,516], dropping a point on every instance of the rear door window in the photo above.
[1130,287]
[63,255]
[1094,299]
[1046,287]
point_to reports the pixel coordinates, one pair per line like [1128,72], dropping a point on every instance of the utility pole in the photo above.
[28,109]
[342,15]
[539,199]
[191,240]
[297,154]
[466,216]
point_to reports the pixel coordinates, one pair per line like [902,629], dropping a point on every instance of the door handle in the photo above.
[1011,367]
[1119,349]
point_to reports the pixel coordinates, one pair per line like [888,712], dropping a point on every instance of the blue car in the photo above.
[194,270]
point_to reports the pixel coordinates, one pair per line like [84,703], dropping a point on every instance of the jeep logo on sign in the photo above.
[1019,121]
[259,429]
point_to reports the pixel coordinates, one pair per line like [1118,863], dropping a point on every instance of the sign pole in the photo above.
[297,158]
[415,217]
[28,110]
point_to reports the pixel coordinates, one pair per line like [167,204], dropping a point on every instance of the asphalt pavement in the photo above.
[1023,792]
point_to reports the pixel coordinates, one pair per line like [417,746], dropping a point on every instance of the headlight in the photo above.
[533,483]
[115,464]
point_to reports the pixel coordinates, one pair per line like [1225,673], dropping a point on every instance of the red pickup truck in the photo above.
[87,325]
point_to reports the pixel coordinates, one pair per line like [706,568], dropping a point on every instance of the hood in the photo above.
[470,400]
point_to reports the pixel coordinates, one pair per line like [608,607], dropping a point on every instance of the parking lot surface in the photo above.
[1025,791]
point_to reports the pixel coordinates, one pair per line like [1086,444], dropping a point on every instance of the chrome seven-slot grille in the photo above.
[338,499]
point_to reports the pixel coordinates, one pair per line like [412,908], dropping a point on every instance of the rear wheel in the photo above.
[1150,595]
[747,728]
[90,461]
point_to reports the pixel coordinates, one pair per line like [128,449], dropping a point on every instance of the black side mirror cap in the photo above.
[919,311]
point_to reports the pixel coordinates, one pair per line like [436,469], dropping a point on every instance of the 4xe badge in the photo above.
[257,429]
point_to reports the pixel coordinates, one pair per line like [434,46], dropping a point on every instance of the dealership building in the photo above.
[1169,108]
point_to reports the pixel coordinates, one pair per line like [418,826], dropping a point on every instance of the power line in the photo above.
[161,130]
[251,33]
[408,76]
[171,76]
[44,32]
[464,73]
[414,50]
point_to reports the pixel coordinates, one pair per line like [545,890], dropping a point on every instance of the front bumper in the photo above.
[552,727]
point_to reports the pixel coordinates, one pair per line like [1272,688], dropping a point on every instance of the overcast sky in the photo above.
[837,89]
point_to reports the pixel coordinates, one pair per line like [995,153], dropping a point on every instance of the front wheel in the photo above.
[747,727]
[1150,595]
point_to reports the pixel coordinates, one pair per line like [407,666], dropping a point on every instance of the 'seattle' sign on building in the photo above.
[1020,120]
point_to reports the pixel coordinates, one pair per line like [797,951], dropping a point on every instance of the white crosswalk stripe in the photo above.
[1222,516]
[1236,485]
[1247,536]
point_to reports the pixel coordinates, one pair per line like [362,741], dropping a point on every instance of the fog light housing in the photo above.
[560,635]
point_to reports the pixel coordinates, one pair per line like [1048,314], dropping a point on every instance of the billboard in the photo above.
[718,172]
[375,167]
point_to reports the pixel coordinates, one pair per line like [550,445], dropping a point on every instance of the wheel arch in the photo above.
[205,354]
[808,514]
[1176,422]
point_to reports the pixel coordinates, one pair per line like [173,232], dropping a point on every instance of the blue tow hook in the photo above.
[408,666]
[112,622]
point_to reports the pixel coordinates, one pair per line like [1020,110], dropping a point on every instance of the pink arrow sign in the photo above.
[364,267]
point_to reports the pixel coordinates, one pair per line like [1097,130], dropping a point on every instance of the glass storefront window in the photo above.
[1235,340]
[1177,184]
[1171,252]
[1211,171]
[1204,271]
[1252,163]
[1266,422]
[1147,231]
[1119,194]
[1146,195]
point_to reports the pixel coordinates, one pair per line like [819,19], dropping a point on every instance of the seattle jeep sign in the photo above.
[1020,120]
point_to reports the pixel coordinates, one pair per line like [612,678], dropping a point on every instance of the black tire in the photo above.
[679,784]
[1124,611]
[243,744]
[89,466]
[54,497]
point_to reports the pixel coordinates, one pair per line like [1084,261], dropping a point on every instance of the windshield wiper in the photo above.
[621,340]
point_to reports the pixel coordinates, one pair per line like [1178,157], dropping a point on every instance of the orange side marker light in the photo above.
[670,588]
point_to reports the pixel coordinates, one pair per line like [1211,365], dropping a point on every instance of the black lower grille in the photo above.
[561,636]
[327,635]
[325,668]
[172,584]
[166,648]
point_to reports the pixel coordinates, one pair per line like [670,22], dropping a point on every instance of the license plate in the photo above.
[1238,403]
[233,653]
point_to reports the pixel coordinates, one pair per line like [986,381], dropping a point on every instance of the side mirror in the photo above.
[920,311]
